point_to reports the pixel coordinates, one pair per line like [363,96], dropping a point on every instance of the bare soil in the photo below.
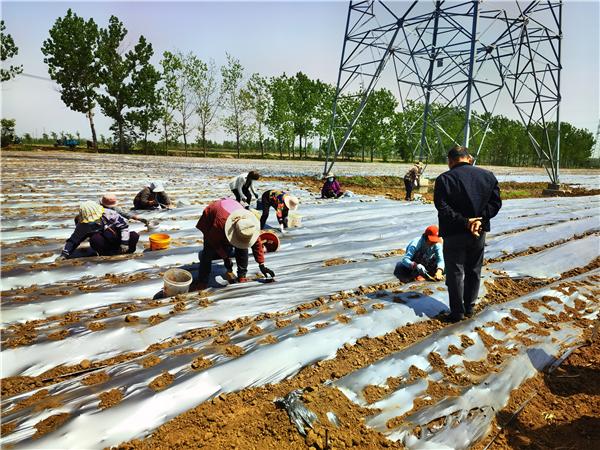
[392,187]
[562,408]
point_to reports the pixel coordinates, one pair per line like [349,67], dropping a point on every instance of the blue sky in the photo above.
[267,37]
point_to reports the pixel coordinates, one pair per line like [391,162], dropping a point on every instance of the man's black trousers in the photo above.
[463,256]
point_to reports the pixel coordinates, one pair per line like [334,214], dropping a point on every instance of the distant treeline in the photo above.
[183,100]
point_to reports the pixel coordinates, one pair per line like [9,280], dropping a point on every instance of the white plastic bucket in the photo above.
[176,281]
[294,220]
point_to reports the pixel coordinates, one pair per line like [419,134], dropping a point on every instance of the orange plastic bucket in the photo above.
[159,241]
[270,241]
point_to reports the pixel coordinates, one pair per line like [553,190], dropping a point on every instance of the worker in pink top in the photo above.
[229,229]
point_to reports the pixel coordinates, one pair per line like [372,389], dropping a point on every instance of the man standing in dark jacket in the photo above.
[466,198]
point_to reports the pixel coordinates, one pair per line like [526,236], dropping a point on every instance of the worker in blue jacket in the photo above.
[424,257]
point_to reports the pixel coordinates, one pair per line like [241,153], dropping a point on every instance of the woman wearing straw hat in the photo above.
[107,231]
[229,228]
[331,188]
[282,202]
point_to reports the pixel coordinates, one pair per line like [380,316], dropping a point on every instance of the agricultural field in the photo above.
[93,357]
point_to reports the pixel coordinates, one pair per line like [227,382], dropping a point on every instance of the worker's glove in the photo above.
[256,196]
[228,264]
[439,275]
[282,228]
[266,271]
[60,258]
[144,221]
[422,270]
[124,248]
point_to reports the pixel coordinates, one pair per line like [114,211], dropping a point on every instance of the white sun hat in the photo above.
[157,186]
[242,228]
[291,201]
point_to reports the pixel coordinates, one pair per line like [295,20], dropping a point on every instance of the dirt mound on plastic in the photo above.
[110,398]
[225,421]
[562,408]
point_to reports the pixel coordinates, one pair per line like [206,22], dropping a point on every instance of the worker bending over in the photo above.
[107,231]
[282,202]
[242,186]
[228,230]
[424,258]
[152,196]
[412,178]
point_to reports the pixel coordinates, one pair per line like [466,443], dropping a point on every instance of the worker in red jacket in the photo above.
[229,229]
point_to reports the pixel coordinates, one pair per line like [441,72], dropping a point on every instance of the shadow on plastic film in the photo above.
[422,304]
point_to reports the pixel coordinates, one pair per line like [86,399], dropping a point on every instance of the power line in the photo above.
[37,77]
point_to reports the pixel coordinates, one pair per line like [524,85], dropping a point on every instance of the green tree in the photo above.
[145,118]
[232,85]
[8,49]
[169,97]
[258,101]
[373,130]
[120,75]
[8,131]
[71,55]
[304,98]
[190,72]
[209,100]
[323,112]
[279,120]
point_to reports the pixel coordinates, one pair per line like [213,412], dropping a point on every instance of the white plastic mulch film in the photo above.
[458,421]
[39,200]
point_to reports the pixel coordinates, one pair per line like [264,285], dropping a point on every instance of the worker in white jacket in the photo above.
[242,186]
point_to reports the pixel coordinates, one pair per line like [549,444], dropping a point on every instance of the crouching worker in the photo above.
[106,229]
[229,229]
[282,203]
[424,258]
[152,196]
[331,188]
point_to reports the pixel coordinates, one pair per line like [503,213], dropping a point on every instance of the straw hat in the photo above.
[109,200]
[291,201]
[242,228]
[157,186]
[90,211]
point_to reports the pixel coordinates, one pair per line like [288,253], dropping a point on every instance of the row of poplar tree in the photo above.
[185,99]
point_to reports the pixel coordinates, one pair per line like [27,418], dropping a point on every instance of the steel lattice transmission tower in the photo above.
[461,56]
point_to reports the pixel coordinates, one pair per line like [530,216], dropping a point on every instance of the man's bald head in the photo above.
[458,154]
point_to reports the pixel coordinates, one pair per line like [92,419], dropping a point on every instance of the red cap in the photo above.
[433,234]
